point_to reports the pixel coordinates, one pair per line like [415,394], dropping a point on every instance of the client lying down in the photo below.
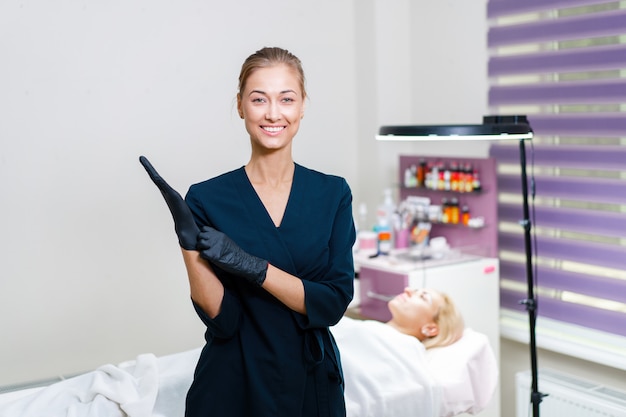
[422,362]
[388,371]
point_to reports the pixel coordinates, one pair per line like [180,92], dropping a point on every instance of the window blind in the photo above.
[563,64]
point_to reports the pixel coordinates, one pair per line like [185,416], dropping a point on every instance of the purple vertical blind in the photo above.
[564,64]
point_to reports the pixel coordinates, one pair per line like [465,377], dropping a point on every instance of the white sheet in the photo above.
[387,374]
[385,371]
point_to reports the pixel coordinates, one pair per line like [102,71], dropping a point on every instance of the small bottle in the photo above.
[465,215]
[445,211]
[454,211]
[421,173]
[447,178]
[469,179]
[462,178]
[434,177]
[476,185]
[454,177]
[384,239]
[409,177]
[441,183]
[385,219]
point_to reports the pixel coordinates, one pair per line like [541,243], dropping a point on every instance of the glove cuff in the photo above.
[257,275]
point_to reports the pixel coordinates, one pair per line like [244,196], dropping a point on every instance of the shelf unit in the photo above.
[482,203]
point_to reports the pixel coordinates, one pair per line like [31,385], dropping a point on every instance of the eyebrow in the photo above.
[264,93]
[429,297]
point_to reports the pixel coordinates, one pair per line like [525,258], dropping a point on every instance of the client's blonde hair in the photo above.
[450,323]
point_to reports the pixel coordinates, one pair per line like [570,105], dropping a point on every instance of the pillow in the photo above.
[467,372]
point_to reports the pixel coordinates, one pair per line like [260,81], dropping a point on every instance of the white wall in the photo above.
[418,62]
[90,270]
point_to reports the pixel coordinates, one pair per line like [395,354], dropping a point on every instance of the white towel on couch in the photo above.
[109,391]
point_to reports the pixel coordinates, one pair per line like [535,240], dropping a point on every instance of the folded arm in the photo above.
[201,248]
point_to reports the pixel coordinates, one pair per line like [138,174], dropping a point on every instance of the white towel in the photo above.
[109,391]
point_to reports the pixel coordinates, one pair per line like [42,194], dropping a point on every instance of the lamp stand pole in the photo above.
[530,302]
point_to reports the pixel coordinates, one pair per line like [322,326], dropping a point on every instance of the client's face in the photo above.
[415,310]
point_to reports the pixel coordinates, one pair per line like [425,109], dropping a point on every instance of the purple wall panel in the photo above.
[594,286]
[571,188]
[595,318]
[511,300]
[581,125]
[593,92]
[497,8]
[596,222]
[605,158]
[592,253]
[577,59]
[577,27]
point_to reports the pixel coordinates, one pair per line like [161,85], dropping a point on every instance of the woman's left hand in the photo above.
[184,223]
[219,249]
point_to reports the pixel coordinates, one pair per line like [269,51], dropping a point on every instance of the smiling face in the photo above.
[415,312]
[272,105]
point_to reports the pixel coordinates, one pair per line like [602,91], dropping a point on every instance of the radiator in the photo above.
[568,396]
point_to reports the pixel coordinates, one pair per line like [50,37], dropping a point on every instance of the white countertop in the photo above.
[405,261]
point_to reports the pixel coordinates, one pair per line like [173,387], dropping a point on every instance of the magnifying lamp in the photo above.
[493,128]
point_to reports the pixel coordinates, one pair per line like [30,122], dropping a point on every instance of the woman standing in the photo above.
[271,268]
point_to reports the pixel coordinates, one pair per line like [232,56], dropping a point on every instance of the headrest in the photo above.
[467,371]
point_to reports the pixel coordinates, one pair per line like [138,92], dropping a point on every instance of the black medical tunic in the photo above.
[261,358]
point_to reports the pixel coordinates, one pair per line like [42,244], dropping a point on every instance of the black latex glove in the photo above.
[219,249]
[184,224]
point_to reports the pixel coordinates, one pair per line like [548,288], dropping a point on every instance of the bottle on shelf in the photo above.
[421,173]
[454,176]
[465,215]
[454,211]
[385,242]
[386,214]
[410,177]
[445,211]
[447,178]
[441,182]
[476,185]
[468,178]
[433,177]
